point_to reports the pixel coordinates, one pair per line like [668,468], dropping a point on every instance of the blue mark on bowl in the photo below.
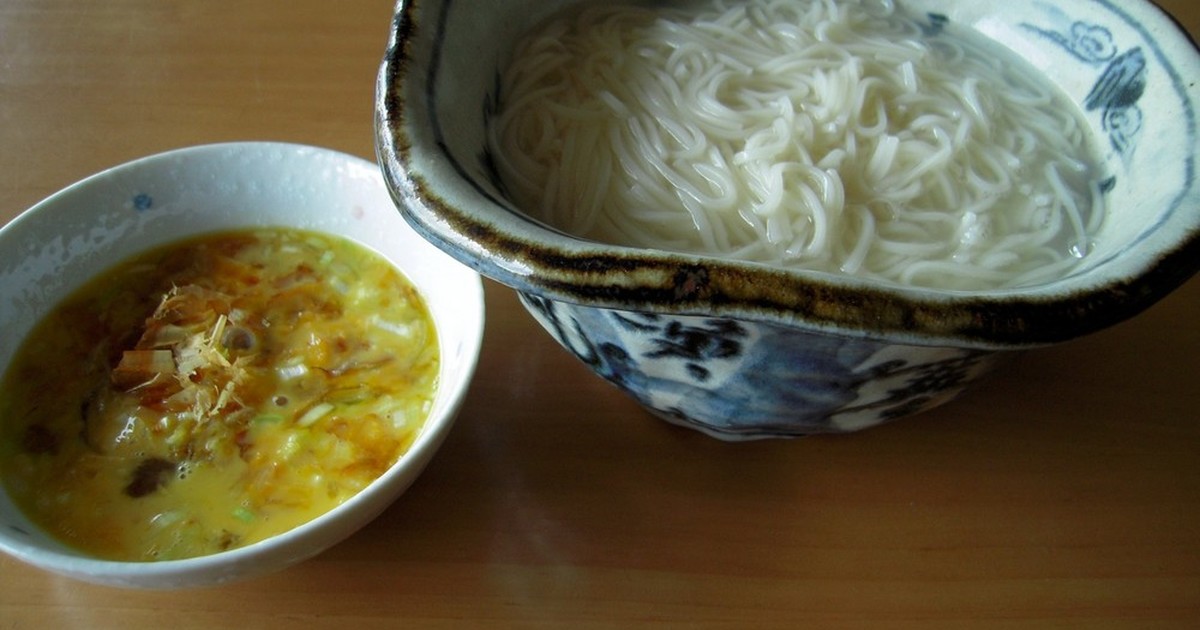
[1121,84]
[743,379]
[142,202]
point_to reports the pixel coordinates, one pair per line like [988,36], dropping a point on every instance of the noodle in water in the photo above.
[839,136]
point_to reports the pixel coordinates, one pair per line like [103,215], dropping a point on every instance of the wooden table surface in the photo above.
[1064,491]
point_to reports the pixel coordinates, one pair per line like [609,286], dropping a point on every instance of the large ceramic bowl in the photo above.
[62,242]
[741,350]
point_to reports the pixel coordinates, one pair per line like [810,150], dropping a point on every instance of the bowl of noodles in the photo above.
[220,361]
[775,218]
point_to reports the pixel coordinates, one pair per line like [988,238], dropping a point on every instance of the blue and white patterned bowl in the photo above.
[741,351]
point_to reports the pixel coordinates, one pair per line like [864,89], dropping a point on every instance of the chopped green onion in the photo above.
[166,519]
[315,413]
[291,446]
[349,395]
[292,371]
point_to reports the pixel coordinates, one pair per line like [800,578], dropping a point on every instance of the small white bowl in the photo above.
[59,244]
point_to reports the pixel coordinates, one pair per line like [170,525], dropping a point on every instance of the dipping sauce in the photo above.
[214,393]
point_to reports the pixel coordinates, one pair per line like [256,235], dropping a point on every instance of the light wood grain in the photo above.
[1063,492]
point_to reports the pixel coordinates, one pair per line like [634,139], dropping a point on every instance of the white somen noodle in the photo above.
[830,135]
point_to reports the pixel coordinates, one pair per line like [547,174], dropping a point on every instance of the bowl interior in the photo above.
[57,245]
[1128,67]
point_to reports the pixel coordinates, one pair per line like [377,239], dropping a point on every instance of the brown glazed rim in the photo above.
[537,260]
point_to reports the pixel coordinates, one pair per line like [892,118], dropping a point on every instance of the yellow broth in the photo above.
[214,393]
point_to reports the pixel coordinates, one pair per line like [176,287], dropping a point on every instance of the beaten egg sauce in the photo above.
[214,393]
